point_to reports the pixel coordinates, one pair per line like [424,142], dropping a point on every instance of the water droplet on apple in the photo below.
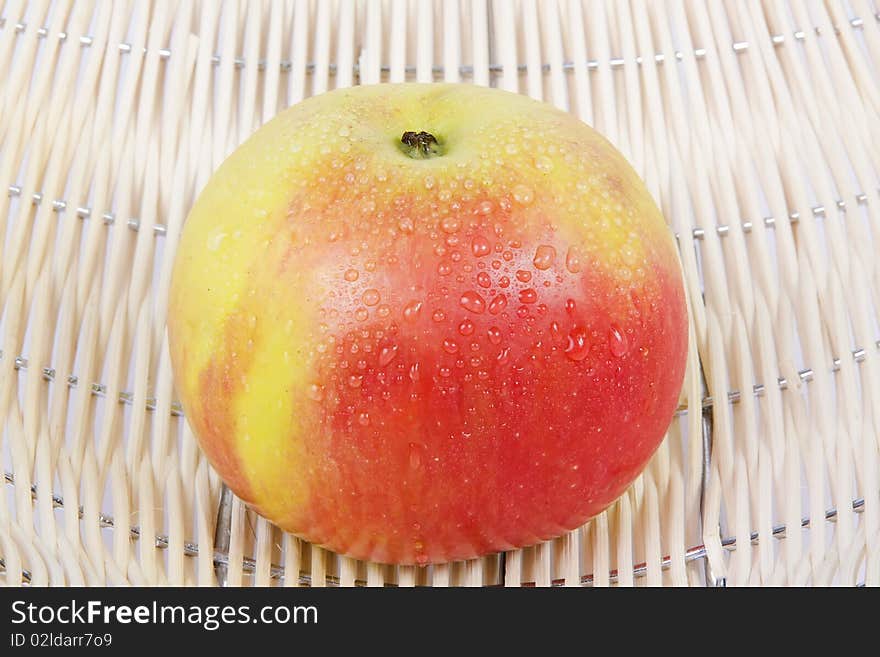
[429,182]
[405,225]
[450,346]
[523,276]
[498,304]
[570,306]
[545,255]
[480,246]
[503,356]
[466,327]
[444,268]
[573,261]
[411,311]
[414,372]
[618,342]
[438,316]
[355,380]
[450,224]
[503,281]
[523,195]
[578,347]
[528,296]
[364,419]
[215,240]
[544,164]
[445,372]
[370,297]
[494,334]
[387,354]
[483,279]
[351,275]
[315,392]
[383,310]
[473,302]
[361,314]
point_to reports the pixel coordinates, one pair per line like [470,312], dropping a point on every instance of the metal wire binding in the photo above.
[97,389]
[249,565]
[770,222]
[464,70]
[59,205]
[733,397]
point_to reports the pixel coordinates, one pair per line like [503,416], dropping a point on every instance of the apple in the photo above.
[421,323]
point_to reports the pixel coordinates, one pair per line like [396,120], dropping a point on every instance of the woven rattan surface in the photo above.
[755,125]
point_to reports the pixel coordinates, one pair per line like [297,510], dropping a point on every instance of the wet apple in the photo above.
[420,323]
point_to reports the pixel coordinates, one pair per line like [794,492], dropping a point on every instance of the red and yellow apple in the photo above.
[421,323]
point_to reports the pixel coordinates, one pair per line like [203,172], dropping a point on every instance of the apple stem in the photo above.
[420,145]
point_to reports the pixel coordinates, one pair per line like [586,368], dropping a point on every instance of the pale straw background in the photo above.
[755,125]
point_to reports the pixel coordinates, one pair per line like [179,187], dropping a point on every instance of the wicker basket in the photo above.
[754,124]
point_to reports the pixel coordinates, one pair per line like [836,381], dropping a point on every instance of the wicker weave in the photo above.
[754,124]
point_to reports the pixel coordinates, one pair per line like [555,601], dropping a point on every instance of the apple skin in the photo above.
[414,360]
